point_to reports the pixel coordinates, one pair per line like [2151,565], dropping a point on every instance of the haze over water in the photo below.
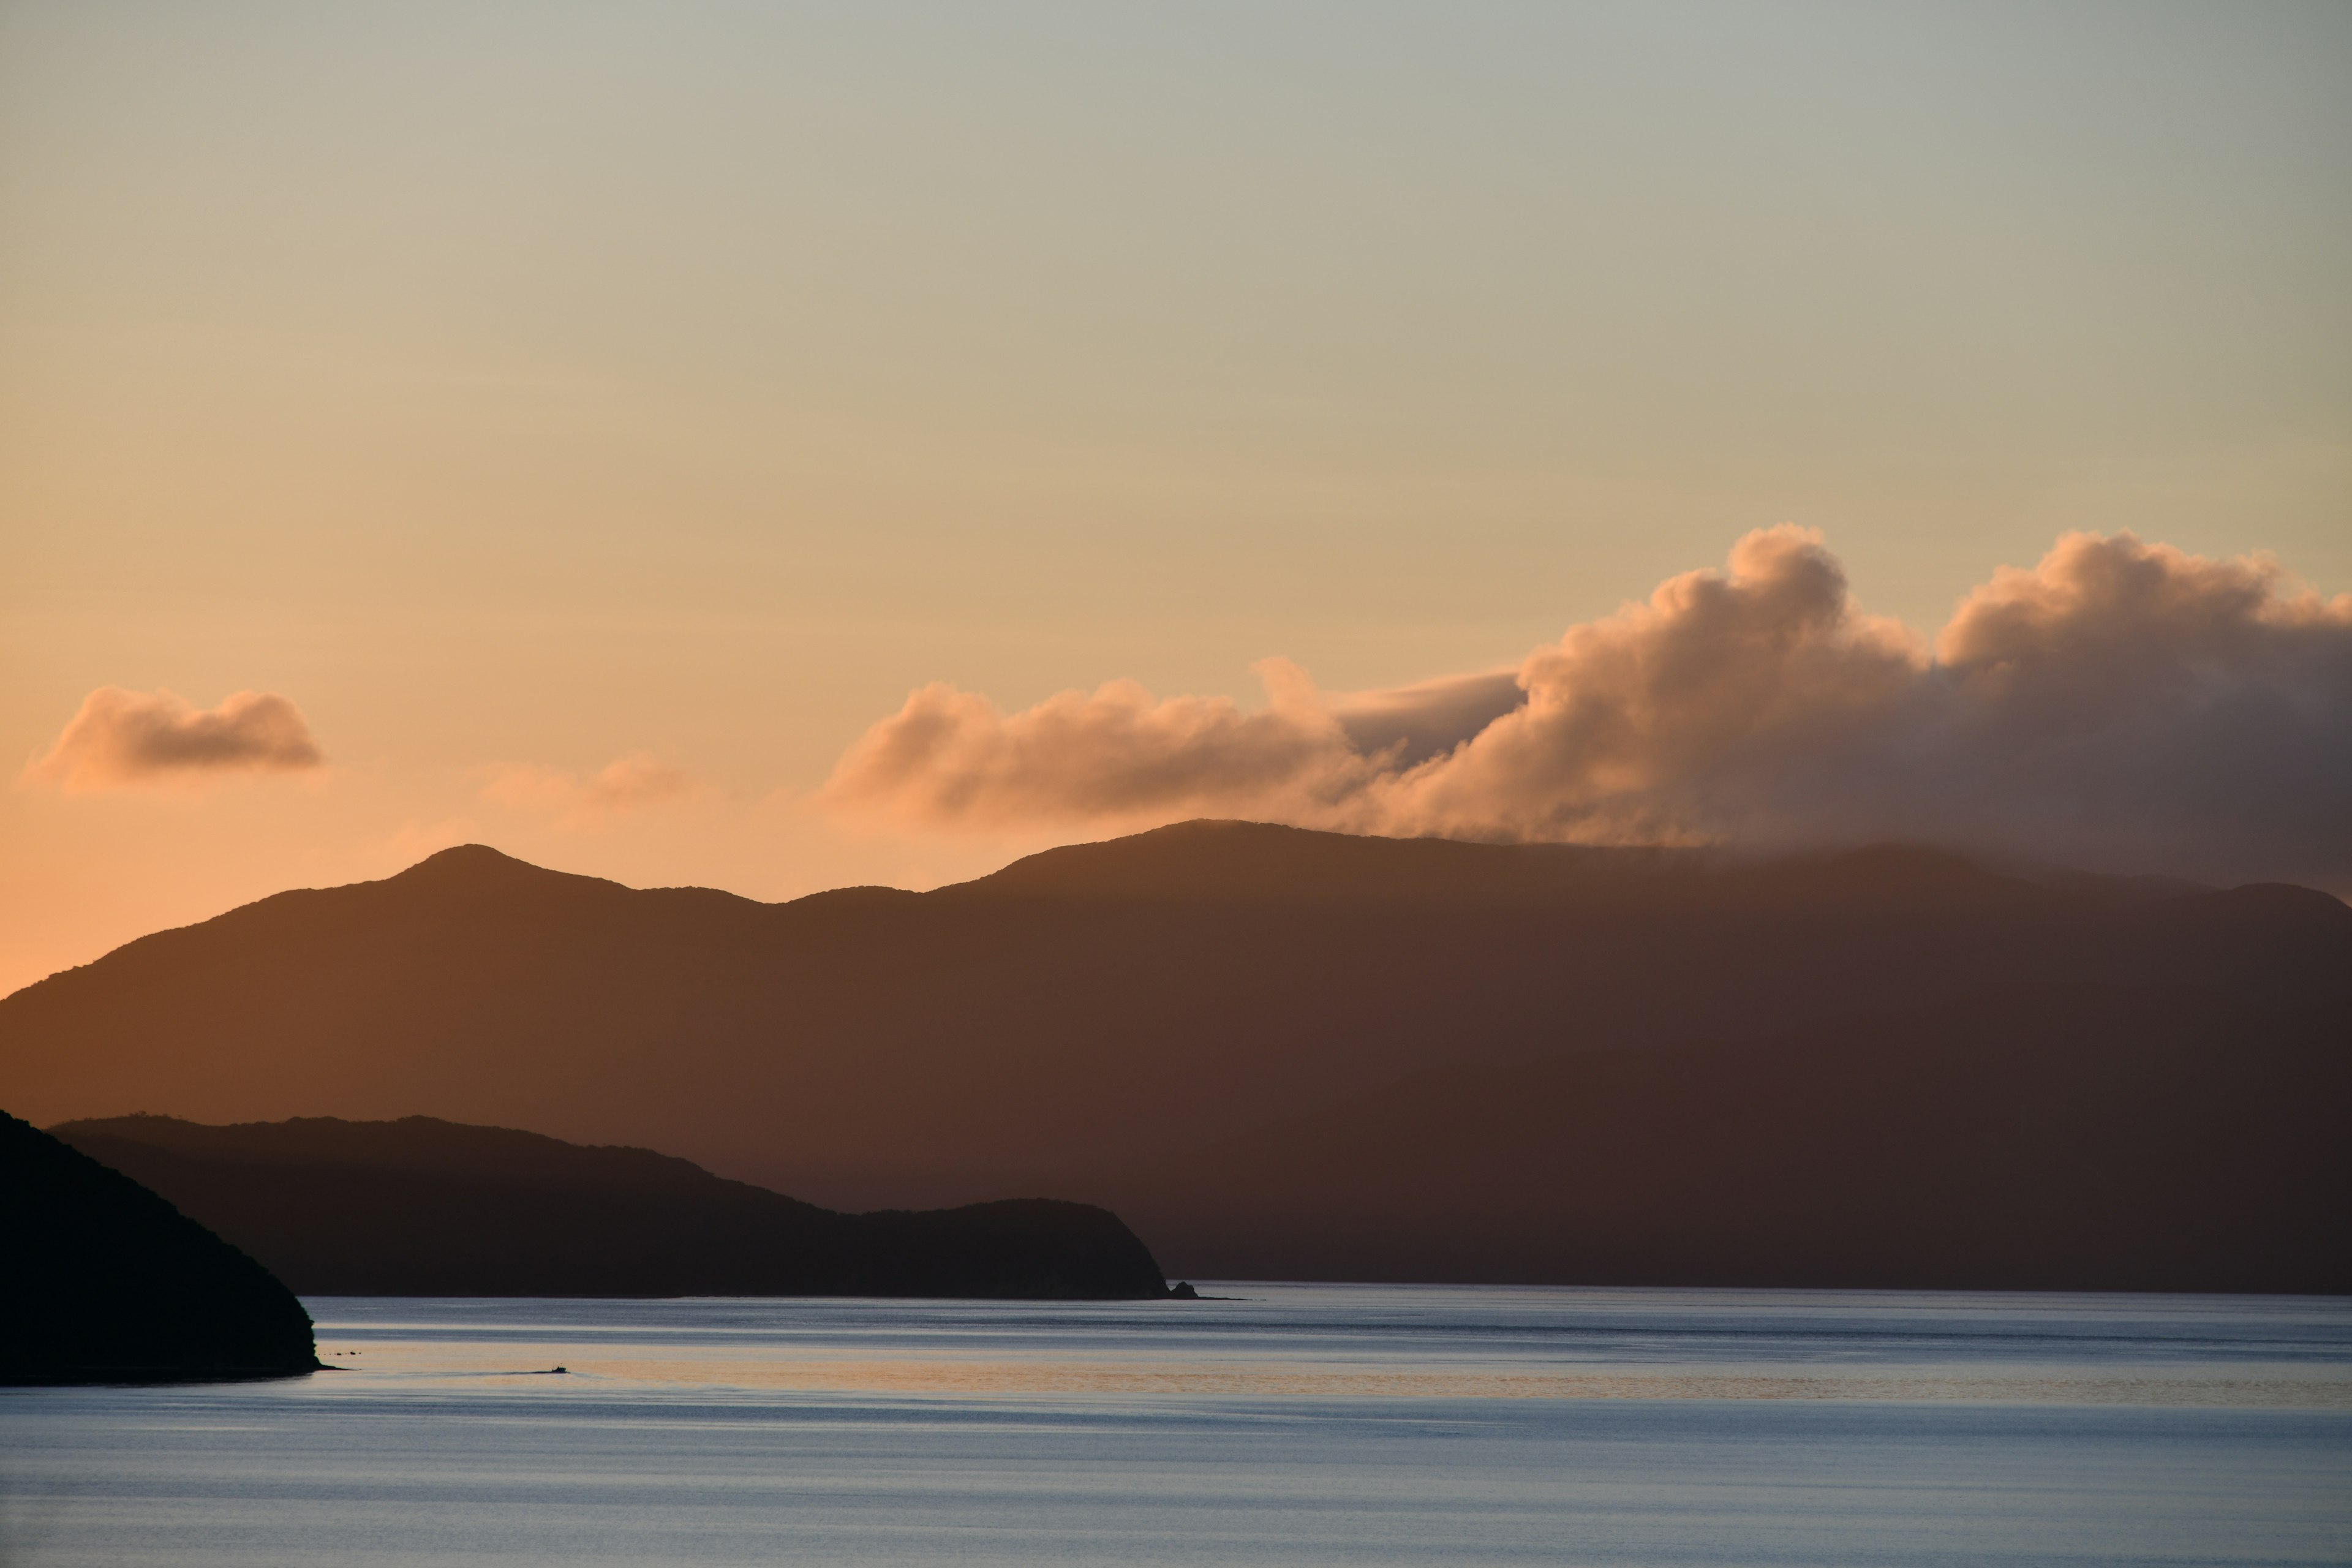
[1293,1425]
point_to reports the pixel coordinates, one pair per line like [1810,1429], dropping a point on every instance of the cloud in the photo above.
[2121,703]
[580,803]
[128,739]
[1413,723]
[1116,753]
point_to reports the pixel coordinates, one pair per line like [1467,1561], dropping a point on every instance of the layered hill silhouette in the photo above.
[1282,1052]
[425,1207]
[107,1282]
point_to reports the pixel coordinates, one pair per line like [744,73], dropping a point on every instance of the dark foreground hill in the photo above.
[106,1282]
[1276,1051]
[422,1207]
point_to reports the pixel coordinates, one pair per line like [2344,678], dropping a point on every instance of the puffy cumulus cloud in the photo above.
[129,740]
[2119,704]
[1689,716]
[580,802]
[2140,703]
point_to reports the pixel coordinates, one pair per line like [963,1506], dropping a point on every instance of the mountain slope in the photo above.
[2040,1137]
[1093,1013]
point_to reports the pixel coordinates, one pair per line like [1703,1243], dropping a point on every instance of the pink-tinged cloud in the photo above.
[580,802]
[1113,754]
[131,740]
[2121,703]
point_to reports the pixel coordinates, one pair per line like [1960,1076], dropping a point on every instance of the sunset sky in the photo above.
[579,428]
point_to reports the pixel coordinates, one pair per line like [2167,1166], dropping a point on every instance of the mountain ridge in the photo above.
[1188,989]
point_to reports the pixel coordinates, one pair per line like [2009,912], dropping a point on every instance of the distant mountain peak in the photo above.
[479,866]
[471,860]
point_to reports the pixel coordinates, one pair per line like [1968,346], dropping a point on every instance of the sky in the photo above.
[777,446]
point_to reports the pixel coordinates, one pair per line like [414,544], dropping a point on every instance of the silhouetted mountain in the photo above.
[422,1207]
[2038,1137]
[1124,1020]
[108,1283]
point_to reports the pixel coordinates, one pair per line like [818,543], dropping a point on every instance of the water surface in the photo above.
[1296,1425]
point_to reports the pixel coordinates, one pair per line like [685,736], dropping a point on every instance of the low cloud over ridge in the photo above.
[2120,704]
[125,739]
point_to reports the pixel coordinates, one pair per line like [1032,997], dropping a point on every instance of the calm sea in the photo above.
[1292,1425]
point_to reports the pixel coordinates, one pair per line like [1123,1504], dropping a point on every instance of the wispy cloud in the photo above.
[129,740]
[578,802]
[2119,703]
